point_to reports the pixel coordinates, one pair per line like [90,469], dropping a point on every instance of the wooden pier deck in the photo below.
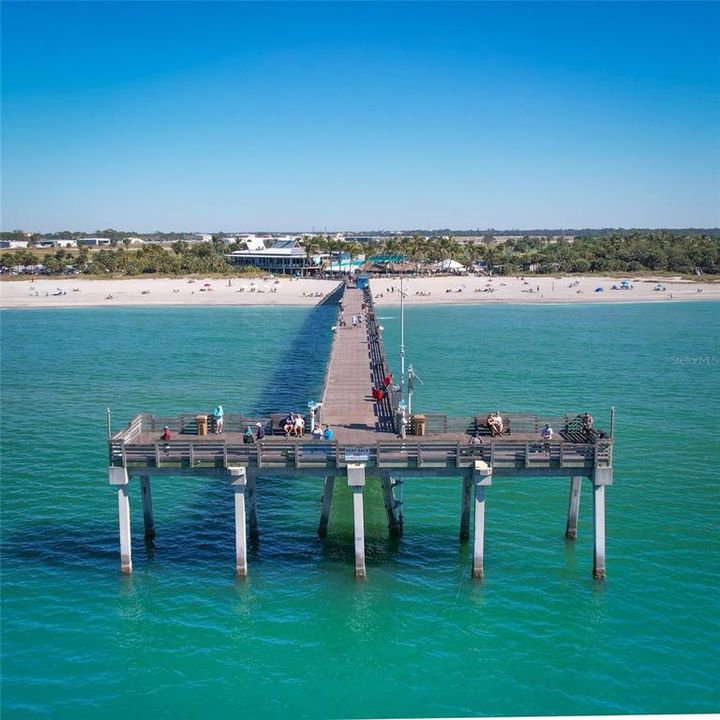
[365,441]
[347,401]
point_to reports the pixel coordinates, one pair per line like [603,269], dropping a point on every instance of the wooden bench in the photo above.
[482,428]
[277,423]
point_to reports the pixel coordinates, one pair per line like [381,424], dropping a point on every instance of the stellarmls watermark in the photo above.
[705,360]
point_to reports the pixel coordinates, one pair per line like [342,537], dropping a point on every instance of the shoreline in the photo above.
[285,292]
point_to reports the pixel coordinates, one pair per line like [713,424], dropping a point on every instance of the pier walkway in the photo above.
[366,441]
[347,401]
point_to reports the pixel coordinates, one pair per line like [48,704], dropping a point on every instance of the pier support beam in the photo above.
[118,477]
[252,502]
[601,478]
[482,478]
[147,506]
[238,480]
[393,506]
[325,503]
[573,508]
[465,507]
[356,480]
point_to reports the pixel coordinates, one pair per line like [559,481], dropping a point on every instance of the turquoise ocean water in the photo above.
[301,637]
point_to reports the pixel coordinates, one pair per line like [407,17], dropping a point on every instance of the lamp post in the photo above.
[402,342]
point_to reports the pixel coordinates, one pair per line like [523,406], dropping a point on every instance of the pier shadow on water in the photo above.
[288,506]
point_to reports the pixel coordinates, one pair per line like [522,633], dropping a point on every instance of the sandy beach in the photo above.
[84,292]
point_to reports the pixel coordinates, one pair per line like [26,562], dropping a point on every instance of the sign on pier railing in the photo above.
[357,454]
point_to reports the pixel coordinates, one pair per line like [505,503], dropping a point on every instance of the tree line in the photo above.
[631,252]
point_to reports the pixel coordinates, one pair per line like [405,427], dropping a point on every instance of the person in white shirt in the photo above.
[299,426]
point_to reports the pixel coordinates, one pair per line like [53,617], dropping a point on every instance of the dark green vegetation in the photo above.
[631,251]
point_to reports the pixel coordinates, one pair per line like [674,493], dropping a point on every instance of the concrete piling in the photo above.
[238,480]
[573,508]
[482,478]
[325,504]
[356,480]
[147,506]
[118,477]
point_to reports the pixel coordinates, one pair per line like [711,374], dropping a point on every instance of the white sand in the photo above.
[533,290]
[84,292]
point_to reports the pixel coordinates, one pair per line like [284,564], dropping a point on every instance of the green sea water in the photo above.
[301,637]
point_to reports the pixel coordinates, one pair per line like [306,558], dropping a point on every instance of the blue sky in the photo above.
[229,116]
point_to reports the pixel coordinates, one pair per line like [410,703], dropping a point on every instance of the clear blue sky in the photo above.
[230,116]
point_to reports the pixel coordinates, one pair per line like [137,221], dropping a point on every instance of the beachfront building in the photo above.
[284,256]
[13,244]
[93,241]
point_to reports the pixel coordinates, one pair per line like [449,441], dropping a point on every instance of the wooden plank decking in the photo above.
[347,400]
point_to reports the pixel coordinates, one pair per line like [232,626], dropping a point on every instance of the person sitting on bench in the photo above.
[495,423]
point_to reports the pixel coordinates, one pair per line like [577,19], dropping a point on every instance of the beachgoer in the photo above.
[328,434]
[289,424]
[167,434]
[299,426]
[587,423]
[218,414]
[260,431]
[317,433]
[499,424]
[547,432]
[495,423]
[248,435]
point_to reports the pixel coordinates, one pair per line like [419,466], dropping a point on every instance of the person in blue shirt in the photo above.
[218,416]
[328,434]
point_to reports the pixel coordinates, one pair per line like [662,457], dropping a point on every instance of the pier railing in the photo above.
[381,368]
[216,451]
[569,425]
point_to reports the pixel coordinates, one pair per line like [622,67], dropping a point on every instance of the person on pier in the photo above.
[546,434]
[218,414]
[587,424]
[259,431]
[167,434]
[299,426]
[289,424]
[328,433]
[248,435]
[495,423]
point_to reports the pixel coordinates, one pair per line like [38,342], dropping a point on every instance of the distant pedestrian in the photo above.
[260,431]
[218,416]
[167,434]
[299,426]
[546,434]
[328,434]
[248,435]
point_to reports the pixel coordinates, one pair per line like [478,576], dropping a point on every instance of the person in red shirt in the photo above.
[167,434]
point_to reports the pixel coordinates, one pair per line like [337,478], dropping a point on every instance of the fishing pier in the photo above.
[375,438]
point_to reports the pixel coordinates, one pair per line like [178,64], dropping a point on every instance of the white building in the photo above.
[13,244]
[285,256]
[93,241]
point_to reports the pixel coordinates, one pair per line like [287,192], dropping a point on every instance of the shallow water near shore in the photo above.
[301,637]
